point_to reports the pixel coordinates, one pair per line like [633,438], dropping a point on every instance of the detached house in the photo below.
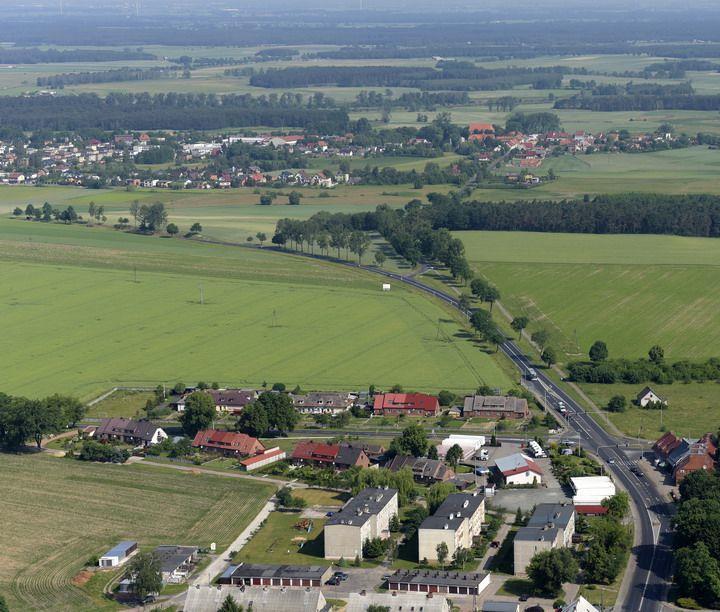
[394,404]
[648,396]
[228,443]
[518,469]
[424,470]
[137,433]
[323,403]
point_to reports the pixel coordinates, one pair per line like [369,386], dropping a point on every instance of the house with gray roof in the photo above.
[366,516]
[129,431]
[496,407]
[456,522]
[550,526]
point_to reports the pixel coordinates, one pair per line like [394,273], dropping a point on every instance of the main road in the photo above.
[651,564]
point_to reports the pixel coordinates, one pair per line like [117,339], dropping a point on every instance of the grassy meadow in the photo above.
[76,510]
[78,321]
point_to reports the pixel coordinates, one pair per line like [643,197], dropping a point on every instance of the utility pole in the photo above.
[135,273]
[202,296]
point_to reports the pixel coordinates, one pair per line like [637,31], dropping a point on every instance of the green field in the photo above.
[76,320]
[692,409]
[72,511]
[630,291]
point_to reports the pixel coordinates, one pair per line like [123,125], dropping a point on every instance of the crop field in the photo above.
[630,291]
[77,320]
[74,510]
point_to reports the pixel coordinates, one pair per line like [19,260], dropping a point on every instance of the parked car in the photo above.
[524,597]
[334,581]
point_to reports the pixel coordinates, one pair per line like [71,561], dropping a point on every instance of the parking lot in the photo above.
[550,491]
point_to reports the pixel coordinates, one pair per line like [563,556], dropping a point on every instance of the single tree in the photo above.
[441,550]
[196,228]
[548,570]
[598,351]
[540,337]
[262,237]
[617,403]
[172,229]
[294,198]
[461,557]
[518,324]
[72,409]
[394,524]
[135,211]
[618,505]
[380,258]
[549,356]
[656,354]
[266,200]
[253,421]
[413,441]
[454,455]
[230,605]
[198,414]
[432,452]
[437,493]
[145,573]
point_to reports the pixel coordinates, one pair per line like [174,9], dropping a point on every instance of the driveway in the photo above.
[359,579]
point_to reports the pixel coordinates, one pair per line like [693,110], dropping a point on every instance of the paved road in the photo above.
[651,564]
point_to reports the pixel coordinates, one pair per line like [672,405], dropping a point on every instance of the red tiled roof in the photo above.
[481,127]
[590,509]
[315,451]
[406,401]
[228,440]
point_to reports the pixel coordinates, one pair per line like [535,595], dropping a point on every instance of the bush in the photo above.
[105,453]
[688,603]
[617,403]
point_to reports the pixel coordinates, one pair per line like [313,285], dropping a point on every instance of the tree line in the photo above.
[58,81]
[641,102]
[61,56]
[411,100]
[170,111]
[449,75]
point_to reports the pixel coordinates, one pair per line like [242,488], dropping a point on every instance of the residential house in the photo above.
[395,404]
[323,403]
[518,469]
[258,599]
[228,443]
[119,554]
[426,471]
[329,455]
[550,526]
[648,396]
[255,574]
[433,581]
[456,522]
[579,605]
[496,407]
[272,455]
[176,562]
[374,452]
[701,456]
[366,516]
[665,445]
[128,431]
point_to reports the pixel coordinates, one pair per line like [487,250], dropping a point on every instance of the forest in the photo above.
[641,102]
[164,111]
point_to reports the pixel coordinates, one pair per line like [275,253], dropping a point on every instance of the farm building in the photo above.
[589,492]
[433,581]
[118,554]
[648,396]
[456,522]
[323,403]
[329,455]
[251,574]
[176,562]
[550,526]
[424,470]
[228,443]
[518,469]
[137,433]
[396,602]
[496,407]
[394,404]
[258,599]
[366,516]
[267,457]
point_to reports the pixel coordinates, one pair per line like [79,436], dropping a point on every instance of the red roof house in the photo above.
[666,445]
[228,443]
[329,455]
[701,457]
[406,403]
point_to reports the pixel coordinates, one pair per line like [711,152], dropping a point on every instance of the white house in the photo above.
[519,469]
[648,396]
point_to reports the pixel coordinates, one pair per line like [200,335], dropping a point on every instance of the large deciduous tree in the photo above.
[198,414]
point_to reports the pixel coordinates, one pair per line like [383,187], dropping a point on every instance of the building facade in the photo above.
[456,522]
[496,407]
[550,526]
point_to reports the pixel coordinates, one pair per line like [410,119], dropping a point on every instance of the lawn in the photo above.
[322,497]
[121,403]
[278,541]
[264,317]
[693,409]
[76,510]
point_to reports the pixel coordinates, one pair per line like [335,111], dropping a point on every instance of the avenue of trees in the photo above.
[23,420]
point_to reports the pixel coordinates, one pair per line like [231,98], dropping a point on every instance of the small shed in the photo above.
[118,554]
[386,287]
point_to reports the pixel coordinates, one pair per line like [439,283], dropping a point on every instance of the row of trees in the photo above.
[115,75]
[47,212]
[641,102]
[23,419]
